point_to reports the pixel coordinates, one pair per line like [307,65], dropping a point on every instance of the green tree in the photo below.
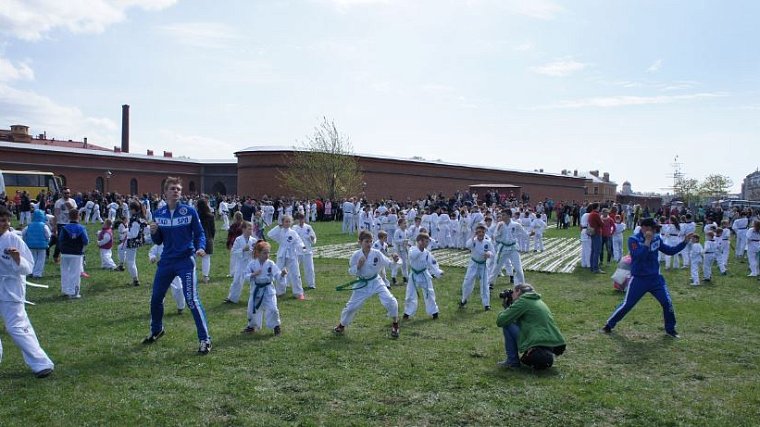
[323,166]
[715,186]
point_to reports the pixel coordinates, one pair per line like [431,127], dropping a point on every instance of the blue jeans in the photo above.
[596,251]
[511,333]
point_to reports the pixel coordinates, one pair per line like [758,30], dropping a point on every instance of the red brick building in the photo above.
[401,178]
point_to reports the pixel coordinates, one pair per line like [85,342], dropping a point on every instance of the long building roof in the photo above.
[275,148]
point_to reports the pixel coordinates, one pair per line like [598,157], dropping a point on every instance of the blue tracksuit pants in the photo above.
[638,286]
[168,269]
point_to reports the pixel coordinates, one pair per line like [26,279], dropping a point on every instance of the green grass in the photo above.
[438,373]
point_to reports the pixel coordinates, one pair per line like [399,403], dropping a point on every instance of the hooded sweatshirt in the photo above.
[537,327]
[37,234]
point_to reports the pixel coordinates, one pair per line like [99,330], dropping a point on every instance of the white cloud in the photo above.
[193,146]
[624,100]
[656,65]
[31,20]
[538,9]
[9,71]
[559,68]
[524,47]
[201,34]
[63,122]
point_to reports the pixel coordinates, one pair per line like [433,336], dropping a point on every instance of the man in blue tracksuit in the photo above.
[645,275]
[178,227]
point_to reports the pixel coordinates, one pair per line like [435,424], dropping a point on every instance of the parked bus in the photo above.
[33,182]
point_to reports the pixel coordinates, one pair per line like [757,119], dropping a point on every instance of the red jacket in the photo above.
[609,227]
[595,221]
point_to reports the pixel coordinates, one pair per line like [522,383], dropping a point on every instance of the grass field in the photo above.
[437,373]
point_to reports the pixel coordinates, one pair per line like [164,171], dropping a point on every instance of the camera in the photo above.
[506,297]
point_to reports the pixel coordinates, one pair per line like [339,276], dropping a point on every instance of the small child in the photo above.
[122,248]
[723,236]
[262,272]
[135,239]
[481,249]
[710,255]
[154,254]
[37,237]
[695,256]
[617,238]
[258,226]
[291,246]
[309,238]
[366,264]
[423,268]
[105,243]
[401,246]
[72,240]
[241,251]
[381,244]
[537,227]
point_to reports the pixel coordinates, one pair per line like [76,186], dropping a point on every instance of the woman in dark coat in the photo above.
[209,229]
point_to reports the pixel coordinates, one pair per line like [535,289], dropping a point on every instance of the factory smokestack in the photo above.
[125,128]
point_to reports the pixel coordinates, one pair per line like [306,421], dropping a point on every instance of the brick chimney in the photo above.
[150,152]
[125,128]
[168,154]
[606,177]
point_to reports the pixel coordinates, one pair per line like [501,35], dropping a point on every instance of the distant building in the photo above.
[751,186]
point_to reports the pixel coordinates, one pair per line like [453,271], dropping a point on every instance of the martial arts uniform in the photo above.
[506,240]
[695,255]
[72,239]
[291,246]
[617,240]
[753,247]
[401,244]
[241,251]
[262,297]
[423,268]
[476,269]
[306,258]
[368,283]
[105,243]
[585,242]
[12,297]
[739,227]
[711,253]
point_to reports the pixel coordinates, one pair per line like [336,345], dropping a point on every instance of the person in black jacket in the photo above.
[209,228]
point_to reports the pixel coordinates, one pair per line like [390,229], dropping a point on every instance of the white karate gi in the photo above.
[617,241]
[241,251]
[506,240]
[585,242]
[262,297]
[710,255]
[695,255]
[753,247]
[423,267]
[291,246]
[370,284]
[480,250]
[12,297]
[740,227]
[306,258]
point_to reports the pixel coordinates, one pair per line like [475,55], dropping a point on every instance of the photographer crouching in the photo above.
[528,327]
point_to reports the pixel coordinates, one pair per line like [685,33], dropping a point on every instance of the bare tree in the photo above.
[323,166]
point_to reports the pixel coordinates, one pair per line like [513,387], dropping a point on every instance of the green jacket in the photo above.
[537,327]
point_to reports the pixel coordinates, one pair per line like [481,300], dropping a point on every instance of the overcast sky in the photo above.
[619,86]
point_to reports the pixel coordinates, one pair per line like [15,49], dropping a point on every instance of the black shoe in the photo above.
[394,330]
[405,317]
[277,331]
[707,279]
[435,316]
[135,282]
[490,286]
[180,310]
[228,301]
[606,329]
[511,279]
[673,334]
[462,304]
[43,373]
[150,339]
[406,280]
[338,330]
[393,281]
[487,308]
[120,268]
[205,347]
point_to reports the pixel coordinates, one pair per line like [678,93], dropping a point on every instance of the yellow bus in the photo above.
[33,182]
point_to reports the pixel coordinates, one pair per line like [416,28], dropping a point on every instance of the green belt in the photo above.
[414,282]
[259,289]
[478,262]
[350,285]
[500,252]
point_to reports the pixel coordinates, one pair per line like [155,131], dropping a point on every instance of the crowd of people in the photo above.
[396,241]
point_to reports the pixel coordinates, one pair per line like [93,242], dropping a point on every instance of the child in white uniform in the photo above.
[481,249]
[263,273]
[291,246]
[381,244]
[16,261]
[105,243]
[241,251]
[366,264]
[617,238]
[401,246]
[423,268]
[309,237]
[695,255]
[710,255]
